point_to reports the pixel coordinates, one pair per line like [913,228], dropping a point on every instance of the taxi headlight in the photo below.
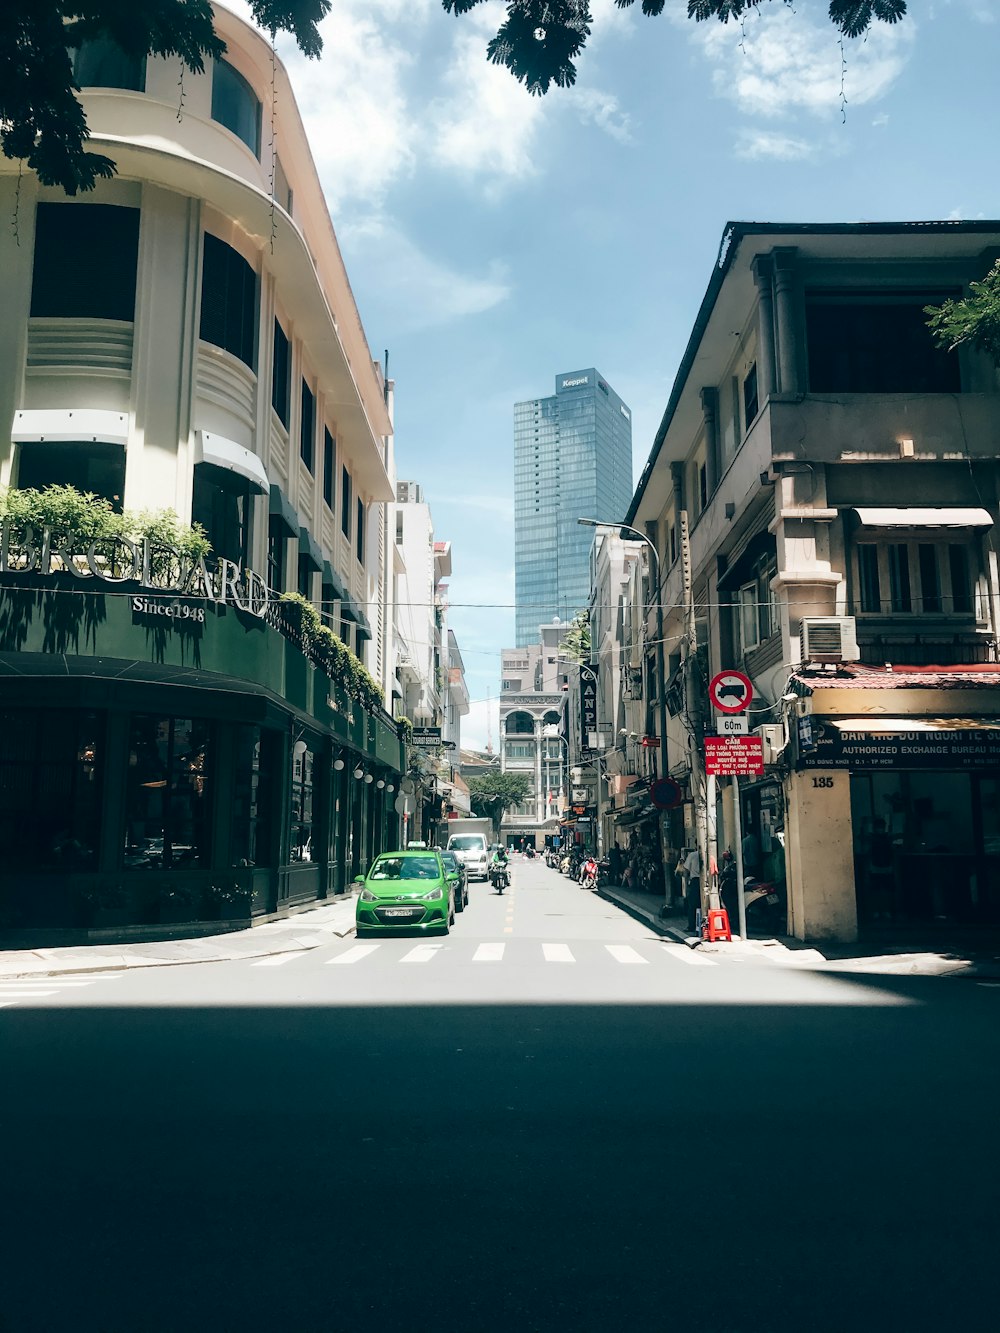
[367,896]
[431,894]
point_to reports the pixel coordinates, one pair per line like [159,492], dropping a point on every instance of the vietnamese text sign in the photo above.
[734,756]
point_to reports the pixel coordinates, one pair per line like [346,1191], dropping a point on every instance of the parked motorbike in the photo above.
[587,875]
[765,903]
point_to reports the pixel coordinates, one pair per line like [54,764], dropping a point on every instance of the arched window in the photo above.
[520,724]
[236,105]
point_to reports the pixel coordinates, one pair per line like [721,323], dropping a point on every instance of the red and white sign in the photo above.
[650,742]
[730,692]
[734,756]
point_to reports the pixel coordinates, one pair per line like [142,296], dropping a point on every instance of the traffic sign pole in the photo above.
[741,893]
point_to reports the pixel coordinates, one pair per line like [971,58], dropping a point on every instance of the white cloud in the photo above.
[782,62]
[430,293]
[601,109]
[881,119]
[758,144]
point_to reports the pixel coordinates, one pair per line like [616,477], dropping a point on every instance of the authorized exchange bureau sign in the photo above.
[116,560]
[962,745]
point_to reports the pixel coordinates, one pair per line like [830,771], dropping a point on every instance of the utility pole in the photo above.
[693,688]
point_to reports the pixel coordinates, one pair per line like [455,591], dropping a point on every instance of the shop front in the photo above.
[165,769]
[893,804]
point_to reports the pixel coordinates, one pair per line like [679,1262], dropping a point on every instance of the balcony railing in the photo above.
[927,650]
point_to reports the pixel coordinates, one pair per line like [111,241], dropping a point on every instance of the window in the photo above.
[306,571]
[520,750]
[307,427]
[222,505]
[277,544]
[673,544]
[300,847]
[101,63]
[329,473]
[281,375]
[755,619]
[85,261]
[235,105]
[167,794]
[399,527]
[868,577]
[93,468]
[750,395]
[359,532]
[702,488]
[876,343]
[50,777]
[229,301]
[345,631]
[922,578]
[345,502]
[252,841]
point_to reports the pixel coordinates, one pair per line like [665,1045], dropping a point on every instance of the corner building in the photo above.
[572,459]
[184,338]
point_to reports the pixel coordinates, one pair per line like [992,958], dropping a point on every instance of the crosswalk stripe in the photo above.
[488,953]
[558,953]
[276,960]
[423,953]
[624,953]
[353,955]
[685,955]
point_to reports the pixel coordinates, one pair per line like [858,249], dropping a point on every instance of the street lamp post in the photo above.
[624,527]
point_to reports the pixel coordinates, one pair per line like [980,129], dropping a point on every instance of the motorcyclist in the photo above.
[499,870]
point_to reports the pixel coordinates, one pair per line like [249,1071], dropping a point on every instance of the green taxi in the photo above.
[409,890]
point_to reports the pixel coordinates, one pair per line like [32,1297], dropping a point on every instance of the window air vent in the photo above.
[829,639]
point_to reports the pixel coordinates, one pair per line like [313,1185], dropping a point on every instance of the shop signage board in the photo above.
[730,692]
[588,703]
[650,742]
[426,737]
[732,724]
[963,746]
[734,756]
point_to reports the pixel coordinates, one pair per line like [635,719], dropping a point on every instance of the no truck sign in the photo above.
[730,692]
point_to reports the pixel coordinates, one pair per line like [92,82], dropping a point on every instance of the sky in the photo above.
[494,240]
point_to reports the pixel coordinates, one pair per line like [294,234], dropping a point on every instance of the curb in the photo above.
[121,962]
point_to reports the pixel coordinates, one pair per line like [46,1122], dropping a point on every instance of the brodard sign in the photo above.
[116,560]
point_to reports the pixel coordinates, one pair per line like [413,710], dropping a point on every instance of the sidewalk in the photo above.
[976,956]
[308,929]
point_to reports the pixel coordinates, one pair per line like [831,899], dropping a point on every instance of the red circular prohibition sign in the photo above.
[730,692]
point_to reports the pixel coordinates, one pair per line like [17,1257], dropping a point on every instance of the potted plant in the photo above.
[177,903]
[229,901]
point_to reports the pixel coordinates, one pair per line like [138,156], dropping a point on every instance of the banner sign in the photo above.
[734,756]
[588,704]
[963,746]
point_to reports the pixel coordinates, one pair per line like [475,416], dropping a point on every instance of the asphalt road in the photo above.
[549,1121]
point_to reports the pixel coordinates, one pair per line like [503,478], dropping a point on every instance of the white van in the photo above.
[472,849]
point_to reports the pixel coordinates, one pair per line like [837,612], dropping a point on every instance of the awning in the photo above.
[886,726]
[232,457]
[281,507]
[46,425]
[354,611]
[332,579]
[924,518]
[742,569]
[308,546]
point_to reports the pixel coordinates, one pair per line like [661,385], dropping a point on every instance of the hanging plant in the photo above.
[329,652]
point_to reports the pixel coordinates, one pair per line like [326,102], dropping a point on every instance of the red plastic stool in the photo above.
[717,925]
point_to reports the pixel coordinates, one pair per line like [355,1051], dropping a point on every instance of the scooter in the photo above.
[499,878]
[588,874]
[764,902]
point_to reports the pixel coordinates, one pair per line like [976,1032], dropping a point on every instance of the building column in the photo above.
[710,411]
[766,369]
[819,856]
[789,379]
[539,794]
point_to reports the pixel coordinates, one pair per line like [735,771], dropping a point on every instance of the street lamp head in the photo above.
[592,523]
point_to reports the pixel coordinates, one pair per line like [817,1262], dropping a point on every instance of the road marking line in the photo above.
[489,953]
[422,953]
[685,955]
[29,994]
[352,955]
[557,953]
[6,1004]
[624,953]
[276,960]
[45,981]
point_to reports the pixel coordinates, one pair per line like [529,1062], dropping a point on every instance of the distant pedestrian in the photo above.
[615,864]
[692,891]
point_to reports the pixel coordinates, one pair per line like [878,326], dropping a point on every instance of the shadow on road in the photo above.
[727,1168]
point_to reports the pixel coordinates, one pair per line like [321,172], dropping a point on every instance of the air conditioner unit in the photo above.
[829,639]
[772,736]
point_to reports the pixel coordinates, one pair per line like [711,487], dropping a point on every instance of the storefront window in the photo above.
[301,846]
[167,797]
[223,505]
[50,790]
[252,828]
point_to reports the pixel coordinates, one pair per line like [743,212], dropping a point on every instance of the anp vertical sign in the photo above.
[588,705]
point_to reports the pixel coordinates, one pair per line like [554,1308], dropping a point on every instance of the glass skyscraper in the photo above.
[572,459]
